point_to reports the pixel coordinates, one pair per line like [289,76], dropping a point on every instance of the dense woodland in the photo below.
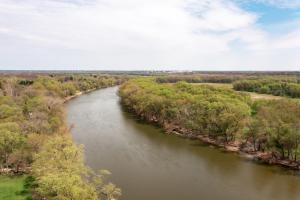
[35,139]
[221,114]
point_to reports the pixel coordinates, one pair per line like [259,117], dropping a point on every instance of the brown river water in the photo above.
[150,165]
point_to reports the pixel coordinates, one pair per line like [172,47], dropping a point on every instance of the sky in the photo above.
[150,34]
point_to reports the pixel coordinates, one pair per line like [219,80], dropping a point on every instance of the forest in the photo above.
[33,129]
[267,129]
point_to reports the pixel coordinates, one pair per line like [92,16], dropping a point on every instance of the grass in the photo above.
[14,187]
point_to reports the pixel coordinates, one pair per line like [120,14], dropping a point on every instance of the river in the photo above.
[150,165]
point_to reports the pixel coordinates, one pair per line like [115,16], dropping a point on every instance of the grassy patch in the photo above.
[15,187]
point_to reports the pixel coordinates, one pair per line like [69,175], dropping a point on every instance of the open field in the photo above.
[257,96]
[13,188]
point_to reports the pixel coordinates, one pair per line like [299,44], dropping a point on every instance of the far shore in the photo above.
[265,157]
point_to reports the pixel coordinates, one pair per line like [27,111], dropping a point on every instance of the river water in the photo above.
[150,165]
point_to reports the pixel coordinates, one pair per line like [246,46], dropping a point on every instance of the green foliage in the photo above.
[26,82]
[31,113]
[269,86]
[9,110]
[59,172]
[203,109]
[10,141]
[198,78]
[68,85]
[278,122]
[58,168]
[68,89]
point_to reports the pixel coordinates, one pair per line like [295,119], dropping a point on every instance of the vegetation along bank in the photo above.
[35,140]
[267,130]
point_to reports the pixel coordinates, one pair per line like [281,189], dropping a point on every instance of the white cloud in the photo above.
[220,15]
[277,3]
[136,34]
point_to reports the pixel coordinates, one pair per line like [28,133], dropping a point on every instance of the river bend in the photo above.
[150,165]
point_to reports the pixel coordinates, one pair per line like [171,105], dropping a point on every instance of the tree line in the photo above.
[35,139]
[199,78]
[219,113]
[267,86]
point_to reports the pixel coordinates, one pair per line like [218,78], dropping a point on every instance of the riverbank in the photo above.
[77,94]
[260,130]
[237,147]
[27,170]
[33,129]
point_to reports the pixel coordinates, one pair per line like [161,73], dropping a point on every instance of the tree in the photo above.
[61,174]
[10,141]
[254,134]
[227,119]
[279,121]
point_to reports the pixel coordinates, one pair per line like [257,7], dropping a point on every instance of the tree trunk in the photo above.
[282,153]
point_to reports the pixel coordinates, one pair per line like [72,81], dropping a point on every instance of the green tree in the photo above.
[10,141]
[280,123]
[61,174]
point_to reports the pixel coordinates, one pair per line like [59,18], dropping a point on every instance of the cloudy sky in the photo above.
[150,34]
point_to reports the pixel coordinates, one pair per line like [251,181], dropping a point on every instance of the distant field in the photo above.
[256,96]
[253,95]
[13,188]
